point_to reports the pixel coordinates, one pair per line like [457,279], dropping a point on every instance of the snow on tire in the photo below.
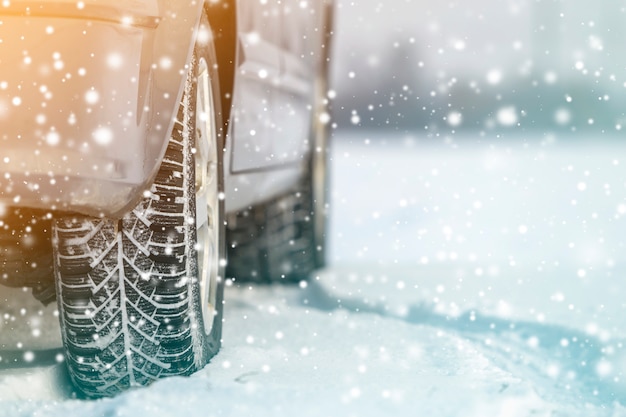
[129,290]
[274,242]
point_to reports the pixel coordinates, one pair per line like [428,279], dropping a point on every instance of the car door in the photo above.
[255,122]
[274,82]
[278,59]
[301,25]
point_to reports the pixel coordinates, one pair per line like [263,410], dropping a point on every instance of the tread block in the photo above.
[75,267]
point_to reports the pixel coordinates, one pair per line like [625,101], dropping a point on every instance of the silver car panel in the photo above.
[279,55]
[87,103]
[88,92]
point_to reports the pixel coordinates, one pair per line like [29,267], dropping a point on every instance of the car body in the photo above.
[89,90]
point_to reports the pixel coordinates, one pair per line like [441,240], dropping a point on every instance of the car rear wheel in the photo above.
[141,298]
[284,239]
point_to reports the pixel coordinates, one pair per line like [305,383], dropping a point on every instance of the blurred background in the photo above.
[477,147]
[509,66]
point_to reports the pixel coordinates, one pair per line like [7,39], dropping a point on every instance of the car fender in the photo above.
[88,97]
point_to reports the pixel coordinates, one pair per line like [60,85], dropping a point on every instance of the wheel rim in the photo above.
[207,196]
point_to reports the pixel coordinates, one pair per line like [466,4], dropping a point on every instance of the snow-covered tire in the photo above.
[275,241]
[284,239]
[141,298]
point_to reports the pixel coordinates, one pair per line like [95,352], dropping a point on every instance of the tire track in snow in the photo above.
[564,364]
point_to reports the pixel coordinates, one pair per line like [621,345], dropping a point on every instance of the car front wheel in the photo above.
[141,298]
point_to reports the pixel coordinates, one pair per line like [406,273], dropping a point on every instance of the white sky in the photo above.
[445,34]
[479,35]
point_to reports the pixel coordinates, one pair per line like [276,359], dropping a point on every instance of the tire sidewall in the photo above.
[212,340]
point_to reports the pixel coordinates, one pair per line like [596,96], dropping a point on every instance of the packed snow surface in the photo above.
[466,278]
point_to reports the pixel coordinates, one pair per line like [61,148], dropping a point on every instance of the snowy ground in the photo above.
[468,278]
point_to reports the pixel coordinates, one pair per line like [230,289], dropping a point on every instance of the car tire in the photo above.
[141,298]
[284,239]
